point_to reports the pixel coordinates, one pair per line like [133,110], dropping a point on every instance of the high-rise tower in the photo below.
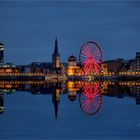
[1,103]
[56,57]
[137,61]
[1,52]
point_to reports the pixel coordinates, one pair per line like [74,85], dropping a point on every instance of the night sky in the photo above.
[29,28]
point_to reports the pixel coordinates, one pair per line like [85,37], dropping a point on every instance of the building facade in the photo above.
[9,68]
[1,53]
[73,68]
[112,67]
[137,64]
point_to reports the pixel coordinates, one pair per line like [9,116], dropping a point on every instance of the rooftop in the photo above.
[7,65]
[1,44]
[72,58]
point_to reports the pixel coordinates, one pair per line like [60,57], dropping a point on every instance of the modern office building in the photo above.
[137,63]
[1,52]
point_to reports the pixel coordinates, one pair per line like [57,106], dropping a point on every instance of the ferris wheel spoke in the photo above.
[84,100]
[84,56]
[98,64]
[99,103]
[84,60]
[86,94]
[95,68]
[91,57]
[89,49]
[99,96]
[96,88]
[97,55]
[87,62]
[85,105]
[98,91]
[98,59]
[85,53]
[89,110]
[86,49]
[96,103]
[86,91]
[96,108]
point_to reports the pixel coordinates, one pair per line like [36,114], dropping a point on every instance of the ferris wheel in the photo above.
[91,98]
[90,58]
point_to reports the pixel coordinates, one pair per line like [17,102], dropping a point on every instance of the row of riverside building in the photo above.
[72,68]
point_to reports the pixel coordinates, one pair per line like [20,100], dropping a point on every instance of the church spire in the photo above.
[56,48]
[56,108]
[56,56]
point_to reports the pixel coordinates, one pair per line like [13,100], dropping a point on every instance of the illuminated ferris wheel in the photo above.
[91,98]
[91,58]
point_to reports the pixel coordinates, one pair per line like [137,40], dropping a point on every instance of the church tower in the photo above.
[56,57]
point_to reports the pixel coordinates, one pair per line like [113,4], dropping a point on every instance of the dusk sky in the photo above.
[28,28]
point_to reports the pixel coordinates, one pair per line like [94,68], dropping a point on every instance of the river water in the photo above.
[73,110]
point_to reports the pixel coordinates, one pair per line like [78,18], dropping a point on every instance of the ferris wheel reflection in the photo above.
[91,98]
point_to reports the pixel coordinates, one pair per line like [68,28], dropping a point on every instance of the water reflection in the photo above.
[91,98]
[1,103]
[89,94]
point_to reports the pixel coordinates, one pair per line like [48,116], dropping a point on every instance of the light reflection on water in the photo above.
[111,109]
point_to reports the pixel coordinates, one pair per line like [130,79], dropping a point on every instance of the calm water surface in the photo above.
[74,110]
